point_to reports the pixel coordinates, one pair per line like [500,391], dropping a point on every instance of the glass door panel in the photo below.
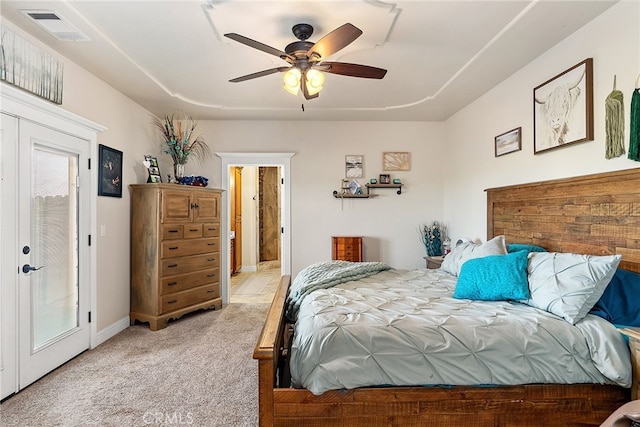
[54,244]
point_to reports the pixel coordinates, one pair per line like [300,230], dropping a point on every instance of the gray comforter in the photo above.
[405,328]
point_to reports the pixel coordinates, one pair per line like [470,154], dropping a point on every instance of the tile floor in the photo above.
[256,287]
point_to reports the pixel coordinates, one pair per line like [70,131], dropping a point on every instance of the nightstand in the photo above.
[433,261]
[634,348]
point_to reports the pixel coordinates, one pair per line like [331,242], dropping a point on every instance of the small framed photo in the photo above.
[508,142]
[396,161]
[385,178]
[109,171]
[151,162]
[353,165]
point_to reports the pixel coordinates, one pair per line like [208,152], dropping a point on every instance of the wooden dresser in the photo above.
[175,251]
[346,248]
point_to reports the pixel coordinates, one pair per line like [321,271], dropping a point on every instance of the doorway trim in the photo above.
[282,160]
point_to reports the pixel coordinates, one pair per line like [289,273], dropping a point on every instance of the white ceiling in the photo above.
[440,55]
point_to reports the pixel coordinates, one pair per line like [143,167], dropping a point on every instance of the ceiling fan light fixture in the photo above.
[291,80]
[314,81]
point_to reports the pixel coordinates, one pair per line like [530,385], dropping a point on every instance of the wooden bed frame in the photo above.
[596,214]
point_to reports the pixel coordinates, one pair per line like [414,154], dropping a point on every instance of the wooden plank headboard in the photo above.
[593,214]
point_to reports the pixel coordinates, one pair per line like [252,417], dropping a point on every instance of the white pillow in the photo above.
[568,285]
[469,250]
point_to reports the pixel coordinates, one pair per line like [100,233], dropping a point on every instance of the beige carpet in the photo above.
[198,371]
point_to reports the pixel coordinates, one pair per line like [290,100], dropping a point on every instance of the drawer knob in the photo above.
[172,283]
[172,301]
[210,291]
[172,265]
[173,248]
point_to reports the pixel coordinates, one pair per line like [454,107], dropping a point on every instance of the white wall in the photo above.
[613,41]
[249,218]
[388,222]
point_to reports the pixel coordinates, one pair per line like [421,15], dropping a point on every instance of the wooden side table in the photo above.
[634,347]
[346,248]
[433,261]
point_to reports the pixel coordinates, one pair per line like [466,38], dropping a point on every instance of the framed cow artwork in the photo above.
[563,108]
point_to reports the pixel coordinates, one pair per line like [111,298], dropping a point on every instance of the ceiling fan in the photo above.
[306,59]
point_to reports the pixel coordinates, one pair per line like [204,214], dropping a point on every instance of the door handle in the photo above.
[27,268]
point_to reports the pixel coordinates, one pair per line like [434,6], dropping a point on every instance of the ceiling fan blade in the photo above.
[259,74]
[353,70]
[260,46]
[334,41]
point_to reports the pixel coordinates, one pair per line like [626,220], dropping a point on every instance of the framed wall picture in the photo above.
[508,142]
[151,162]
[353,165]
[563,108]
[109,171]
[396,161]
[26,66]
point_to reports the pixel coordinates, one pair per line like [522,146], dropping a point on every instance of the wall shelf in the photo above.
[368,194]
[352,196]
[395,186]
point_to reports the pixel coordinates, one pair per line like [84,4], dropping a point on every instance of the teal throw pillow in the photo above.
[494,278]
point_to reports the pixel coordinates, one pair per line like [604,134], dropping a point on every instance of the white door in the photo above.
[51,246]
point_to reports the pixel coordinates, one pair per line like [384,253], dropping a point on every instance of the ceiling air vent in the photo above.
[55,25]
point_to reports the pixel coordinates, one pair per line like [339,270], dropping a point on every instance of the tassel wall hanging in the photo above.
[634,131]
[614,123]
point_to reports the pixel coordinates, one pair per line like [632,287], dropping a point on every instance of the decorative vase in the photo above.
[178,171]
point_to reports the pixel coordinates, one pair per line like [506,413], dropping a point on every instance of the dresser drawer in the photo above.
[347,245]
[192,231]
[177,248]
[211,230]
[186,298]
[189,264]
[172,231]
[348,255]
[173,284]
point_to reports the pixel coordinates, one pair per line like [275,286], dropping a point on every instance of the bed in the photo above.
[596,214]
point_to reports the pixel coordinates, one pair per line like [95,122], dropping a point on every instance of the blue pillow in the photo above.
[517,247]
[620,304]
[494,278]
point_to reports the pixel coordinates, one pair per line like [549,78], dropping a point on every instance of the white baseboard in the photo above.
[112,330]
[248,268]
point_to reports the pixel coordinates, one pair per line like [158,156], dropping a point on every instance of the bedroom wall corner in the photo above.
[613,41]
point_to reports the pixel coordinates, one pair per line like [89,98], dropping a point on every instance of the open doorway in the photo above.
[255,228]
[278,236]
